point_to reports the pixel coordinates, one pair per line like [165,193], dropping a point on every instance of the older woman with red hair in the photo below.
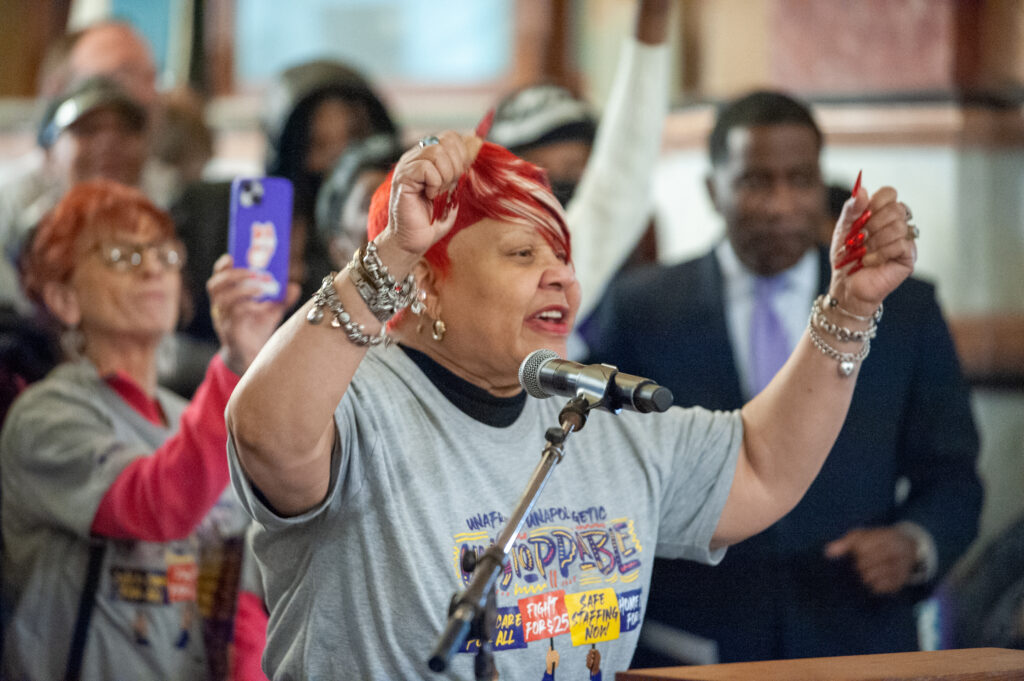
[109,481]
[371,470]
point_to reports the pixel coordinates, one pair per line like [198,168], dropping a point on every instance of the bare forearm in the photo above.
[789,429]
[164,496]
[281,414]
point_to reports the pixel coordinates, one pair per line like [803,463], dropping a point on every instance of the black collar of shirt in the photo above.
[474,401]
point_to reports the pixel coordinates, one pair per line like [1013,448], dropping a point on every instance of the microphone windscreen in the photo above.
[529,372]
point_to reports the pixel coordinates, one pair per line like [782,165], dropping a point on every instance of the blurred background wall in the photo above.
[925,95]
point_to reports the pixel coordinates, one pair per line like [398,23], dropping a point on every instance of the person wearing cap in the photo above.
[97,130]
[108,49]
[600,172]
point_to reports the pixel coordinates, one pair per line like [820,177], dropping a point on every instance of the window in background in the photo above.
[154,20]
[445,42]
[167,25]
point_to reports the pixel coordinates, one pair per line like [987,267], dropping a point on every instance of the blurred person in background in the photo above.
[343,202]
[980,603]
[115,518]
[898,499]
[601,173]
[182,144]
[312,112]
[96,130]
[107,49]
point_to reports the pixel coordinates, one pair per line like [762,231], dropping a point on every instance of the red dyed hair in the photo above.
[89,212]
[498,185]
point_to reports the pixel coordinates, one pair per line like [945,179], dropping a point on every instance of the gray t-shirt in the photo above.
[359,586]
[64,442]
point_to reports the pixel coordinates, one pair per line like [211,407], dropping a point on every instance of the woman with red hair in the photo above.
[112,485]
[371,470]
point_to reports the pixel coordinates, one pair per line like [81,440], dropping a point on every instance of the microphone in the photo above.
[543,374]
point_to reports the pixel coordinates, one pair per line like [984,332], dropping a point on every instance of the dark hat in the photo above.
[541,114]
[68,108]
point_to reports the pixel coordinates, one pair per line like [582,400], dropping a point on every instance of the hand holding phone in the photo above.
[260,231]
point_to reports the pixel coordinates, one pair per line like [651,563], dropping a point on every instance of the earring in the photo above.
[437,330]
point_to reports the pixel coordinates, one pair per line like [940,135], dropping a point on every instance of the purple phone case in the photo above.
[260,229]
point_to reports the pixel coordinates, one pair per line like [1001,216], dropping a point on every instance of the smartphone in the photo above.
[260,230]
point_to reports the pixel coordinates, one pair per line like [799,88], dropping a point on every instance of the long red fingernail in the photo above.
[859,223]
[851,256]
[856,185]
[856,268]
[855,240]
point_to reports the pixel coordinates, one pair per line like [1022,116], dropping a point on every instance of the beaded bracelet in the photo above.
[847,360]
[378,289]
[327,297]
[841,332]
[876,315]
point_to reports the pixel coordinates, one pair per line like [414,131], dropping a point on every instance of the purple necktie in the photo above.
[769,347]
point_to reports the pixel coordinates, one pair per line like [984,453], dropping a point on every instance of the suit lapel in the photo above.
[723,364]
[824,270]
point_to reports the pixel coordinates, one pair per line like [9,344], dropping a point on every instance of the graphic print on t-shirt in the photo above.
[153,577]
[568,576]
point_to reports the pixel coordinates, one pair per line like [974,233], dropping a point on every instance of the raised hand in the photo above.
[425,172]
[873,249]
[242,324]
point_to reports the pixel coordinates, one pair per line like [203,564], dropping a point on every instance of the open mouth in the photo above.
[551,315]
[554,320]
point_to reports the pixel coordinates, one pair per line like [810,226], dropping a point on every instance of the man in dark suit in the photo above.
[898,499]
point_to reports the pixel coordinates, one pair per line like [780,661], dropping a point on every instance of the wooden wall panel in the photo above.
[26,28]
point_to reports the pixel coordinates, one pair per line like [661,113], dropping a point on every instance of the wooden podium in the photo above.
[968,664]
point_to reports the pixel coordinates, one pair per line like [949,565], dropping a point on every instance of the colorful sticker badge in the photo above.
[593,616]
[544,615]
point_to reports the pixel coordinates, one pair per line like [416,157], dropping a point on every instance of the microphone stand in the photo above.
[473,611]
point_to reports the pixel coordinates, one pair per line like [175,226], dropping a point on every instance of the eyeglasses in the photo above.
[124,256]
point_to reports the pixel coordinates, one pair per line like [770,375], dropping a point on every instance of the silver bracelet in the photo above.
[847,360]
[378,289]
[841,332]
[327,297]
[876,315]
